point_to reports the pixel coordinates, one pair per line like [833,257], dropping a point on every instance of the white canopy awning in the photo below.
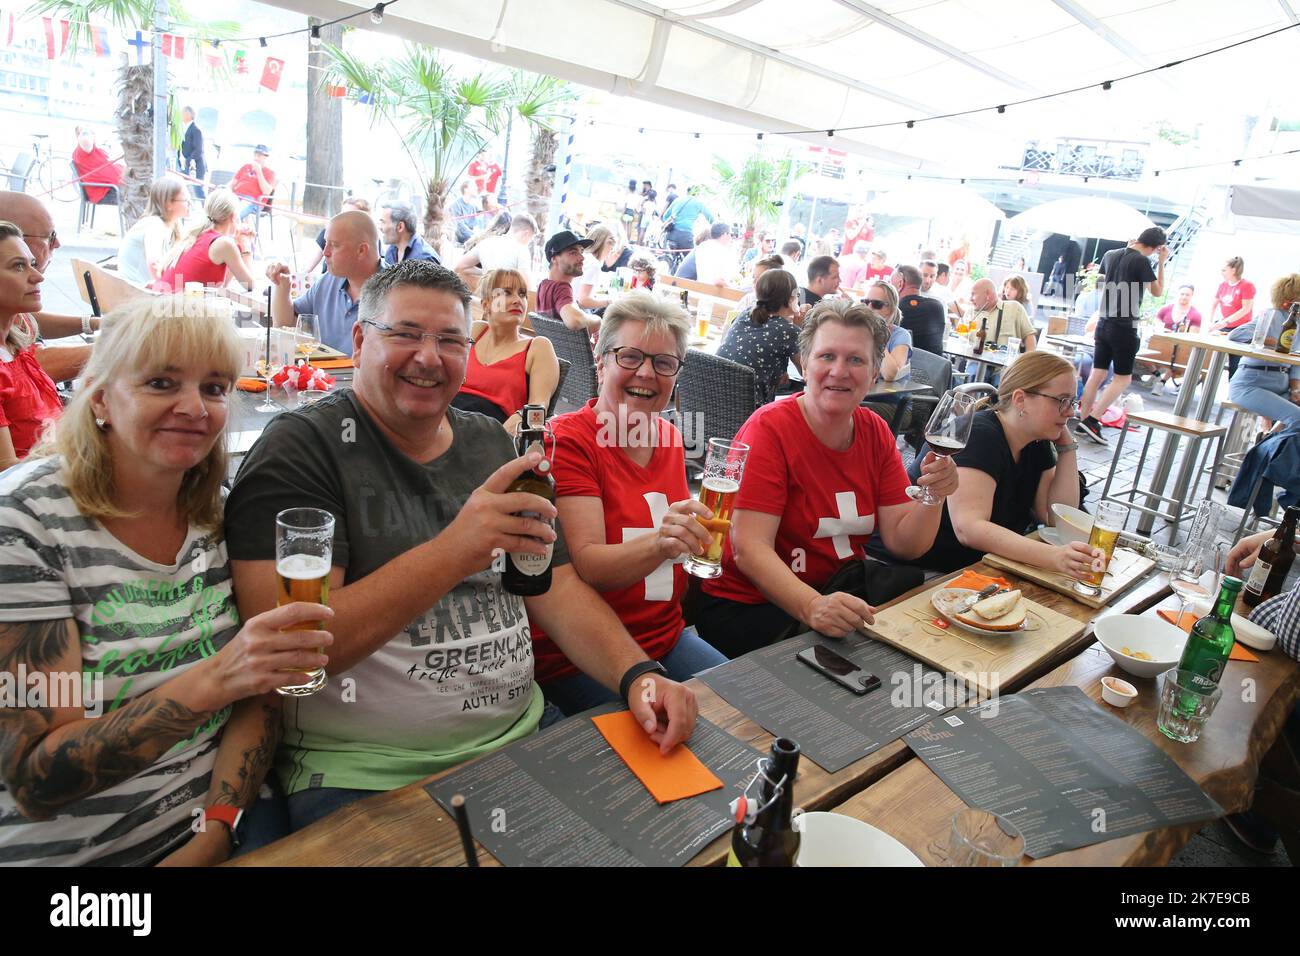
[935,200]
[781,65]
[1095,218]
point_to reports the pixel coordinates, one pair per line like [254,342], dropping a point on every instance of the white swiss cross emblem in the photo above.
[849,522]
[659,582]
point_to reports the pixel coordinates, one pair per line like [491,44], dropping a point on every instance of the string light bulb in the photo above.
[830,133]
[1106,85]
[377,14]
[314,38]
[1002,109]
[262,41]
[910,124]
[760,136]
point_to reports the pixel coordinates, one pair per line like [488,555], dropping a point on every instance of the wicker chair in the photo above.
[927,369]
[578,384]
[715,396]
[559,384]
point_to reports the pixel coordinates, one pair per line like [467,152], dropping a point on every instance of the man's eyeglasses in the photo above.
[52,238]
[877,303]
[1067,403]
[447,343]
[632,359]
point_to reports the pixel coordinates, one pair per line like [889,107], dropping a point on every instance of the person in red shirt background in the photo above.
[1234,301]
[255,182]
[94,166]
[878,269]
[627,513]
[823,474]
[28,398]
[486,175]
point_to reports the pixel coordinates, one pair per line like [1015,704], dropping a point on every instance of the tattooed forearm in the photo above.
[255,757]
[37,646]
[93,755]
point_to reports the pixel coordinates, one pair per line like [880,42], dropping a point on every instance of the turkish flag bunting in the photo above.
[271,73]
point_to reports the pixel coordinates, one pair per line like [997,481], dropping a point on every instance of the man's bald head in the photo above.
[30,215]
[983,294]
[353,225]
[352,245]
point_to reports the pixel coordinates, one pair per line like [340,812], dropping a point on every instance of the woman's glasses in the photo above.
[632,359]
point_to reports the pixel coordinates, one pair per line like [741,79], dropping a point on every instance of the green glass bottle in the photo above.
[1210,643]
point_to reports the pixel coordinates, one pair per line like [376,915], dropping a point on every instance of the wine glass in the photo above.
[947,433]
[307,333]
[266,369]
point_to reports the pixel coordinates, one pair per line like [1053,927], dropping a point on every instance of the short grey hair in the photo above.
[851,314]
[403,213]
[658,315]
[420,273]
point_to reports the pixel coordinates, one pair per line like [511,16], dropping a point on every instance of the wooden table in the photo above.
[406,827]
[1219,348]
[915,806]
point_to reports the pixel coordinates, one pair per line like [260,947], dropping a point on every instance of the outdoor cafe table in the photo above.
[915,806]
[406,827]
[1219,348]
[958,347]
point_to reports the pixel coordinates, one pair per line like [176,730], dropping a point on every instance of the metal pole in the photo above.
[505,161]
[160,114]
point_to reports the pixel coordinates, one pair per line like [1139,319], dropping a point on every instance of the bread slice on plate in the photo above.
[1002,612]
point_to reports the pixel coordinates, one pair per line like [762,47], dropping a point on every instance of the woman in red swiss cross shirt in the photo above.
[823,474]
[627,513]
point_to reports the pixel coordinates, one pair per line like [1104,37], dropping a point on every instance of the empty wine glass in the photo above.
[307,333]
[947,433]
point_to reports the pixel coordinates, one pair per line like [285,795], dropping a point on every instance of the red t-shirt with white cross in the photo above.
[826,499]
[588,463]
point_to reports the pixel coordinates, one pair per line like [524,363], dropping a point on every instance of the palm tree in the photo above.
[536,99]
[324,132]
[135,83]
[754,192]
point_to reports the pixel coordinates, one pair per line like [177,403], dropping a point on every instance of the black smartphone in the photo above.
[839,669]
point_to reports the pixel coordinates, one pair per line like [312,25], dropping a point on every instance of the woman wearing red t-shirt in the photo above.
[28,398]
[823,473]
[1235,299]
[627,514]
[213,252]
[506,369]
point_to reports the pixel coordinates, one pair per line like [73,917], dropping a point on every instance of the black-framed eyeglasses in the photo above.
[52,238]
[447,343]
[877,303]
[665,363]
[1067,403]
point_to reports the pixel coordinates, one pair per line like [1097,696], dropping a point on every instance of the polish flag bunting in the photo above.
[271,71]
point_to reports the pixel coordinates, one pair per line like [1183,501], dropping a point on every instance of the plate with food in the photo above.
[996,616]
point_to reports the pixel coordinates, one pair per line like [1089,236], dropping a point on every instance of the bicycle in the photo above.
[48,180]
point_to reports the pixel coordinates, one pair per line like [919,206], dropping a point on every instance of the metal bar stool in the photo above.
[1242,430]
[1192,429]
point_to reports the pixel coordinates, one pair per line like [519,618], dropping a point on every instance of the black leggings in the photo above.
[735,629]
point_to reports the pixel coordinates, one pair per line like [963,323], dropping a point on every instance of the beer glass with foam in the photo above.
[1106,527]
[304,543]
[723,468]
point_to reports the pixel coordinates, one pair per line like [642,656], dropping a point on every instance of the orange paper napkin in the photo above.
[250,385]
[1239,653]
[332,363]
[976,582]
[678,775]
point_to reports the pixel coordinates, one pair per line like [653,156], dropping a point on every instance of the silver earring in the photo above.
[101,424]
[1022,413]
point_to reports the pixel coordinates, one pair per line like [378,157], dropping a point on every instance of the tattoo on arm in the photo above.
[47,767]
[254,763]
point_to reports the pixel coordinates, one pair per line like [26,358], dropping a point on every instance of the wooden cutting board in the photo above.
[1127,568]
[990,663]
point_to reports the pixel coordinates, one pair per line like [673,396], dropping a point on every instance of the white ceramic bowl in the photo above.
[1247,632]
[832,839]
[1071,523]
[1116,692]
[1157,637]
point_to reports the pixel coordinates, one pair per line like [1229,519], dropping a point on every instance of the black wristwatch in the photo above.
[635,671]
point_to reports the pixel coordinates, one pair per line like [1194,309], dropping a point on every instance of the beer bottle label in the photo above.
[731,858]
[1258,575]
[531,565]
[1284,341]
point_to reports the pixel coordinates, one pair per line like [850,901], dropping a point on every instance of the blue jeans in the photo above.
[1264,393]
[577,693]
[252,209]
[273,815]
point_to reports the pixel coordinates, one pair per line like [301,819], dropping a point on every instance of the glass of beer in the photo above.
[723,468]
[304,544]
[702,324]
[1110,521]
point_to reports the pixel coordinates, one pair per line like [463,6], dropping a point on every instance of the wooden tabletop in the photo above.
[1220,343]
[915,806]
[406,827]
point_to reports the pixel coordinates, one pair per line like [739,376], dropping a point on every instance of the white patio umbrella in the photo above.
[935,200]
[1094,218]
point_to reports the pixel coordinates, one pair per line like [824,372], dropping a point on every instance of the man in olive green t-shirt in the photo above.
[1006,318]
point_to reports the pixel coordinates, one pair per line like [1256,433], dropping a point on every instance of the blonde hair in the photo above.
[601,238]
[220,206]
[658,315]
[496,279]
[1285,289]
[20,334]
[891,296]
[142,334]
[854,315]
[161,193]
[1030,372]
